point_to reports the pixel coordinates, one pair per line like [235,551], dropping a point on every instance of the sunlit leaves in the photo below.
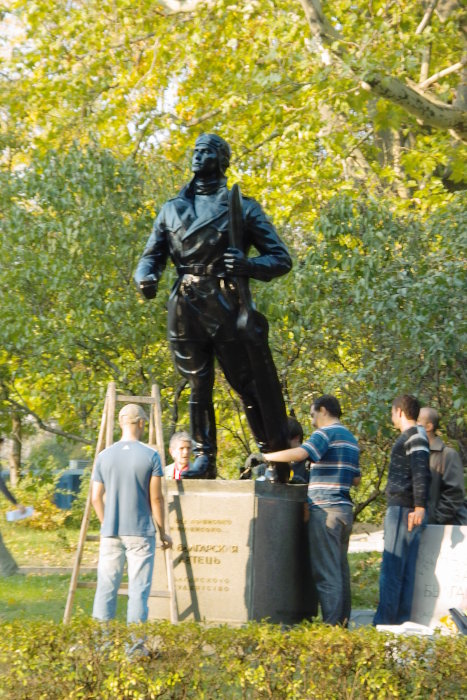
[144,80]
[100,104]
[72,230]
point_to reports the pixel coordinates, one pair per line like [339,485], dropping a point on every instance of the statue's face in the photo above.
[205,160]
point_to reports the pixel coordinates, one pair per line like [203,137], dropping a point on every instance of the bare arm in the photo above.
[356,481]
[293,454]
[157,509]
[97,499]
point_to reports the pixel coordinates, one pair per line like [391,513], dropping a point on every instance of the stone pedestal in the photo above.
[239,552]
[441,574]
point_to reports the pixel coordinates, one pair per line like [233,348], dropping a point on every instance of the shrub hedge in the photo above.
[85,660]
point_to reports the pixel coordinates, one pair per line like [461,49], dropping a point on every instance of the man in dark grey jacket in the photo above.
[192,229]
[447,491]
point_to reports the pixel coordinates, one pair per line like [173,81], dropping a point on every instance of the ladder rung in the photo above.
[153,594]
[96,538]
[123,590]
[136,399]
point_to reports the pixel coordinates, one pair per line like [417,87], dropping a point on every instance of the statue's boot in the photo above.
[280,470]
[203,433]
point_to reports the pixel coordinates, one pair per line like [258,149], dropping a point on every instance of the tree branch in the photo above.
[319,25]
[377,489]
[360,168]
[242,439]
[426,17]
[426,108]
[358,507]
[440,74]
[425,65]
[45,426]
[178,392]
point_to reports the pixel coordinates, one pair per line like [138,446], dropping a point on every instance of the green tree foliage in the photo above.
[72,228]
[292,96]
[100,104]
[376,308]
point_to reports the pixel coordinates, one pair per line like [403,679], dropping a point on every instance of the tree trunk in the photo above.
[15,451]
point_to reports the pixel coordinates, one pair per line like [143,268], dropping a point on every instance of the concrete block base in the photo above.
[240,553]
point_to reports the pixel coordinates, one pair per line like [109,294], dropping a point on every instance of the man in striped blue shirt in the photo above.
[334,455]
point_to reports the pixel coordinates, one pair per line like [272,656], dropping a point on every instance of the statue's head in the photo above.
[210,148]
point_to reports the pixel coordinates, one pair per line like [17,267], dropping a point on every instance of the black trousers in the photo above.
[202,327]
[261,396]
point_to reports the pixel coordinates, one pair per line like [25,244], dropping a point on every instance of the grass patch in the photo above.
[364,577]
[46,547]
[43,597]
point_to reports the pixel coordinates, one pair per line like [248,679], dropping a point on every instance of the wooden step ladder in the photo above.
[105,439]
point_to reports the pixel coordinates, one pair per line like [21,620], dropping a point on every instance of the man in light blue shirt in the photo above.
[127,497]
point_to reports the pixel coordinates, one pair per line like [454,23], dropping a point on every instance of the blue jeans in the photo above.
[139,554]
[328,537]
[397,576]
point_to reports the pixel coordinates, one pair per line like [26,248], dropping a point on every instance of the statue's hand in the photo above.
[148,286]
[236,263]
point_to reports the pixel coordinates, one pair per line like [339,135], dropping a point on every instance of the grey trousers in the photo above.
[328,536]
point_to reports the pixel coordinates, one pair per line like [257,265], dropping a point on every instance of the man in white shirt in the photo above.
[180,447]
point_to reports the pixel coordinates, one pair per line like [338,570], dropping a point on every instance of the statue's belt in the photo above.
[200,270]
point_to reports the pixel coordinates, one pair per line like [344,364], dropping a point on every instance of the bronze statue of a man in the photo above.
[204,305]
